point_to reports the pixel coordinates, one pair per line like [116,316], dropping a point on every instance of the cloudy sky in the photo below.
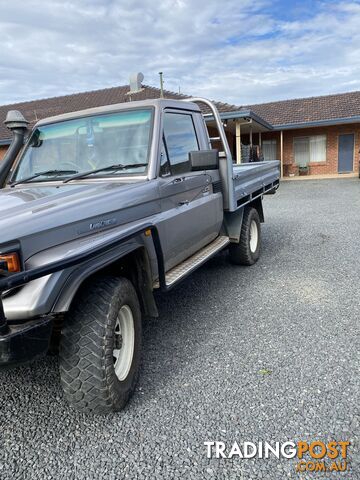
[239,51]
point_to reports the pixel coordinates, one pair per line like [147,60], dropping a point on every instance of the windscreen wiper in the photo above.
[39,174]
[118,166]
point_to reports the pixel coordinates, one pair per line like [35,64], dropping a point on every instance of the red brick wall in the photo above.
[2,151]
[213,132]
[332,134]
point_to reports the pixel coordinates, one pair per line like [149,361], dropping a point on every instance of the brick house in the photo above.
[317,135]
[321,132]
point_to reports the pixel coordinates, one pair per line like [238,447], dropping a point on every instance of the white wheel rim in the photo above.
[254,236]
[124,342]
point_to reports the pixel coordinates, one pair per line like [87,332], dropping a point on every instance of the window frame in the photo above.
[163,143]
[184,112]
[308,137]
[44,123]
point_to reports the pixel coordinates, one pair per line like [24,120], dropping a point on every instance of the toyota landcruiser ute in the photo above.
[98,210]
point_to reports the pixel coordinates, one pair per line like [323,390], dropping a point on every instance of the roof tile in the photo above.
[294,111]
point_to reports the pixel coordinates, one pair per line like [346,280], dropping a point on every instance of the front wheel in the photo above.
[247,251]
[100,346]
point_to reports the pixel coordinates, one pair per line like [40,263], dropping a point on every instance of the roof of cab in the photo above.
[160,103]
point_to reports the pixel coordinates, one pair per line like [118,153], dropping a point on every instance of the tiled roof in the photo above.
[38,109]
[284,112]
[312,109]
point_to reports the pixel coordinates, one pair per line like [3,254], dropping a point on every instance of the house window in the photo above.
[309,149]
[269,149]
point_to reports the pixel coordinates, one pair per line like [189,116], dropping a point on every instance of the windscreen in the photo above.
[88,143]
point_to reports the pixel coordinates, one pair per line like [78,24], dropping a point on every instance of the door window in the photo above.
[180,139]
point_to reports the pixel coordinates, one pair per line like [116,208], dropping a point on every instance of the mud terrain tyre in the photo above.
[247,251]
[100,346]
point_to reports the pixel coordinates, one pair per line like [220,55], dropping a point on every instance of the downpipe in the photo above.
[17,124]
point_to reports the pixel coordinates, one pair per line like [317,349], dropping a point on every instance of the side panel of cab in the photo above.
[192,210]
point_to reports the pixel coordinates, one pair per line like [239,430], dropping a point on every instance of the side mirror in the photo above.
[204,160]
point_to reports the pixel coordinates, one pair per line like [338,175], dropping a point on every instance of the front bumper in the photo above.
[22,343]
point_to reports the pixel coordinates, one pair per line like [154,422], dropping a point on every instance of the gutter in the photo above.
[240,114]
[318,123]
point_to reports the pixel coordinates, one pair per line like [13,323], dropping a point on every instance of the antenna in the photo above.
[161,85]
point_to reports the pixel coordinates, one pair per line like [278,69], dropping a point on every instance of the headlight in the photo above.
[10,263]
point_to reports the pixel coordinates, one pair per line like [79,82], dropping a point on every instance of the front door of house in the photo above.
[346,153]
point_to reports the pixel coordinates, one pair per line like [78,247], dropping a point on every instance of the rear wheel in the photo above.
[247,251]
[100,346]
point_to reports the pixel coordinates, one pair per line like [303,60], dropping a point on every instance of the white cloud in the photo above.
[232,51]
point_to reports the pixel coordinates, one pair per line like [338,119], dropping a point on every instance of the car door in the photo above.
[192,211]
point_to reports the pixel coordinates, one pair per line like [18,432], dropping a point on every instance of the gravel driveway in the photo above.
[265,353]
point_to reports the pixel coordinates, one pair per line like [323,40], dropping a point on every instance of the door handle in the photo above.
[178,180]
[184,202]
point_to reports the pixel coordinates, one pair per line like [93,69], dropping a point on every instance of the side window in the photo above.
[180,139]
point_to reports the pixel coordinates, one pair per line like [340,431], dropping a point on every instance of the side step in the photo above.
[193,262]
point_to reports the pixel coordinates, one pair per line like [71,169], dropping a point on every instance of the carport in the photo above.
[243,128]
